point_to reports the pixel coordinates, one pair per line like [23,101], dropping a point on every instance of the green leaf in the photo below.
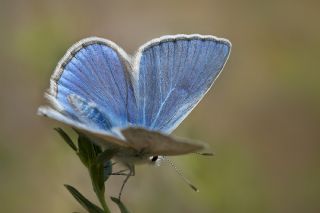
[104,159]
[107,170]
[66,138]
[121,206]
[88,151]
[85,203]
[97,176]
[100,165]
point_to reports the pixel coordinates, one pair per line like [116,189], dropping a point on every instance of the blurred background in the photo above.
[262,118]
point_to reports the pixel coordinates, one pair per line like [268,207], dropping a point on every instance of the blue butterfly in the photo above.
[134,103]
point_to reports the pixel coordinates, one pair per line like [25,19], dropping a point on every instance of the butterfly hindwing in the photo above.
[148,142]
[174,73]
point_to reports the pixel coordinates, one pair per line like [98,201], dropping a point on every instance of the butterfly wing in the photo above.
[153,143]
[101,137]
[94,72]
[93,89]
[140,140]
[174,73]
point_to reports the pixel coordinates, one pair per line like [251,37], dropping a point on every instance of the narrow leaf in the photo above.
[97,167]
[121,206]
[85,203]
[97,176]
[87,150]
[107,170]
[66,138]
[80,134]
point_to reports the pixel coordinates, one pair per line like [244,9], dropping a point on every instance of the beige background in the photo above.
[261,119]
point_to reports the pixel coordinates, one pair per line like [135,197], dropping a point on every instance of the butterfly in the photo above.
[133,103]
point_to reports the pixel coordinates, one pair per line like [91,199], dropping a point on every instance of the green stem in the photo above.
[99,191]
[103,202]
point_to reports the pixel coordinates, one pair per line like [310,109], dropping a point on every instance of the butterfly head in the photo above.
[156,160]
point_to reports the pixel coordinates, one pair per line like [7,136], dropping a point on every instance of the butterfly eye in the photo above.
[154,158]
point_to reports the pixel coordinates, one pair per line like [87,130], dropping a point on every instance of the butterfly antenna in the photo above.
[181,175]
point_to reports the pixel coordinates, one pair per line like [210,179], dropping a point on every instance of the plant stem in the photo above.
[99,191]
[103,202]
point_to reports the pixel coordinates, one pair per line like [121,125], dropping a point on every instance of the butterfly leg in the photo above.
[131,173]
[121,172]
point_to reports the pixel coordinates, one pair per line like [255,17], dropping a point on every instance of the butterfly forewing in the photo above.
[174,73]
[96,70]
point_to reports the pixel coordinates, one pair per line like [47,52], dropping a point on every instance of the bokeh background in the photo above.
[261,119]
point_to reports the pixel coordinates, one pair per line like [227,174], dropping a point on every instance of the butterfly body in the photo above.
[134,103]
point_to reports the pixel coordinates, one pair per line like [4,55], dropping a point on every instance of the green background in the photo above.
[262,118]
